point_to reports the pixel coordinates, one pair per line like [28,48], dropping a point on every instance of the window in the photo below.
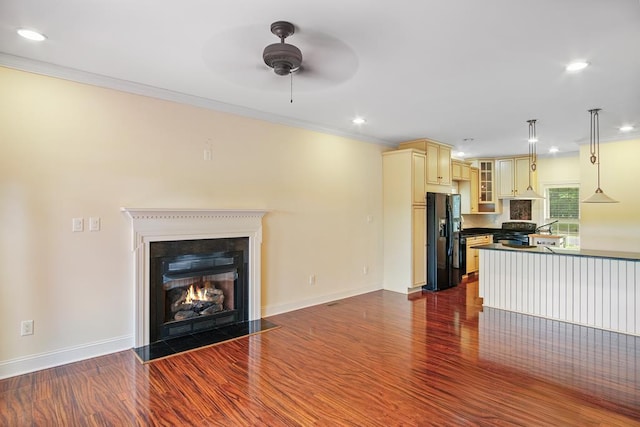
[562,203]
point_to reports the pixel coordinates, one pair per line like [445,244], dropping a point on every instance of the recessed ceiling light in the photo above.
[359,121]
[460,154]
[626,128]
[577,66]
[554,149]
[31,35]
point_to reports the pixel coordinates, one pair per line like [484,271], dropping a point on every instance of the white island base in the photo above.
[591,288]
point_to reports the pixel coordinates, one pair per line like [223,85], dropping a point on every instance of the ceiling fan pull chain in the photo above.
[291,94]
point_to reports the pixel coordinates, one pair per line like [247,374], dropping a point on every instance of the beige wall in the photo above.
[74,150]
[612,226]
[558,169]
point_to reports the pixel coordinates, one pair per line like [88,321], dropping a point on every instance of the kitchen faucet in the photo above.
[550,229]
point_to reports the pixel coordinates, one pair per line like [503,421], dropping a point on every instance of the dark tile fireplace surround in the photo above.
[198,295]
[196,285]
[197,278]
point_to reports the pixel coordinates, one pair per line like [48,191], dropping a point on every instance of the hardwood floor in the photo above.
[379,359]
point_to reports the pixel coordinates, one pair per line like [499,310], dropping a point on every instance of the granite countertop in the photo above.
[478,231]
[547,250]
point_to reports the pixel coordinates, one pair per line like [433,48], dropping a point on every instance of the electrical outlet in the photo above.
[26,327]
[312,279]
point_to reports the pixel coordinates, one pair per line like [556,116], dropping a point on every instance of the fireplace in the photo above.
[215,252]
[196,285]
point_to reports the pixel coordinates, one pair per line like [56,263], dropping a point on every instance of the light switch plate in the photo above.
[94,223]
[77,224]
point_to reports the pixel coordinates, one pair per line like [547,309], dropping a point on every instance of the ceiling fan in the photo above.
[327,62]
[283,57]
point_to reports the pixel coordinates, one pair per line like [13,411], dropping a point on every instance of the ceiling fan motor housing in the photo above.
[284,58]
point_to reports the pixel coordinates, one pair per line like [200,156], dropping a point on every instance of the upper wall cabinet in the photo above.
[469,192]
[512,176]
[438,164]
[487,201]
[418,173]
[460,171]
[404,175]
[438,159]
[474,190]
[486,182]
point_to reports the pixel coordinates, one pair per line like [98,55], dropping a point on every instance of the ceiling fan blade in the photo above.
[235,55]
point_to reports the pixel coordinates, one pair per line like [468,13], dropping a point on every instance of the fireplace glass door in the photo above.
[198,296]
[195,292]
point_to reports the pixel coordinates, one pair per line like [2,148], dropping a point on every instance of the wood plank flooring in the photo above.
[379,359]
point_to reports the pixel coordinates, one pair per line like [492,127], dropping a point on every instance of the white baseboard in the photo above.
[36,362]
[323,299]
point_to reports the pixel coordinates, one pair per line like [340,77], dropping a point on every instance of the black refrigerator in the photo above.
[443,220]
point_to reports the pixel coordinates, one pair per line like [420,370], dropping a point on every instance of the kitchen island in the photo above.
[600,289]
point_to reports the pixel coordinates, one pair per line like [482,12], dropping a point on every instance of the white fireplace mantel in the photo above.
[158,225]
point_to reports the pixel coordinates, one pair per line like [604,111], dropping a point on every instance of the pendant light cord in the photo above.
[534,155]
[532,148]
[530,156]
[594,148]
[594,141]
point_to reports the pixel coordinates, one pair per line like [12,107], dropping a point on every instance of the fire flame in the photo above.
[196,294]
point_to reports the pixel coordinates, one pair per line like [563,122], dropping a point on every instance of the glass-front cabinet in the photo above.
[486,181]
[487,202]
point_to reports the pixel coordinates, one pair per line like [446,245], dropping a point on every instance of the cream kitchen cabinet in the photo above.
[473,258]
[469,193]
[404,221]
[512,176]
[474,187]
[419,250]
[418,181]
[438,160]
[404,175]
[487,177]
[438,164]
[487,201]
[460,171]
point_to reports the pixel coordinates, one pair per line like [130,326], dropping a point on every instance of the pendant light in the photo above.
[529,193]
[594,149]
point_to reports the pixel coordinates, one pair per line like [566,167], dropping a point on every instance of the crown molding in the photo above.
[79,76]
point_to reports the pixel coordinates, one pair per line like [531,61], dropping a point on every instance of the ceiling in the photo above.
[464,72]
